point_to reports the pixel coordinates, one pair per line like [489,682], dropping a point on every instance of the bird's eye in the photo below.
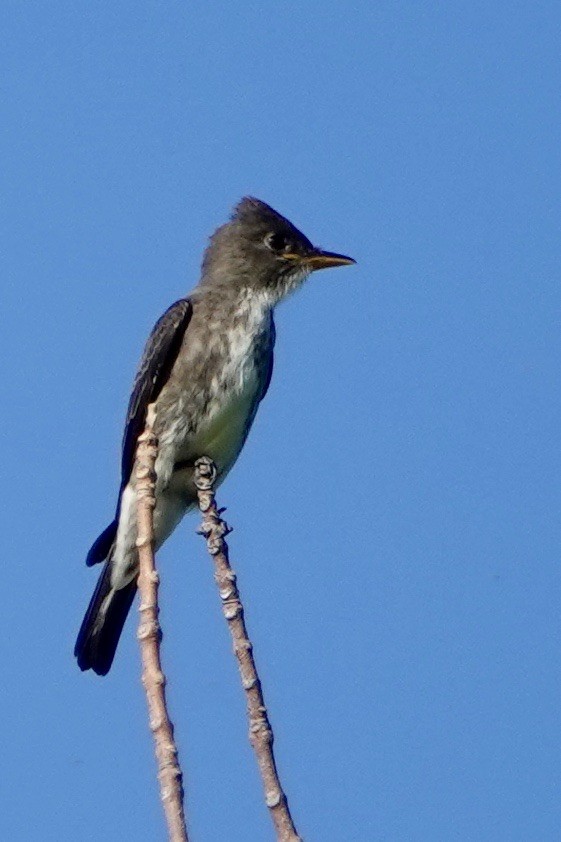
[277,242]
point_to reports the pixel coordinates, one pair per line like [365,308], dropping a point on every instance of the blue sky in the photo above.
[396,508]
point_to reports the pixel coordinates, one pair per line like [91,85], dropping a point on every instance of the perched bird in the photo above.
[207,365]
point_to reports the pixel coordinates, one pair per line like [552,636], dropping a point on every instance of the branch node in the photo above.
[149,629]
[204,529]
[273,798]
[232,610]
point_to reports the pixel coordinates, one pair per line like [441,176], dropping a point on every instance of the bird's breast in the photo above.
[215,400]
[222,434]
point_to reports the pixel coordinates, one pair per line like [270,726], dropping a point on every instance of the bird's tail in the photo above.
[103,623]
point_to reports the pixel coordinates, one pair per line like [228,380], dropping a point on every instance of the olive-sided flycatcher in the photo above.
[207,365]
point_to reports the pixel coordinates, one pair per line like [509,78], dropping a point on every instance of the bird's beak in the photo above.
[325,259]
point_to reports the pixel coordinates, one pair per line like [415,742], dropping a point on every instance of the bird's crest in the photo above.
[251,209]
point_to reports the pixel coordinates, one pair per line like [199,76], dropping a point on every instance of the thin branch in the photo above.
[260,732]
[149,636]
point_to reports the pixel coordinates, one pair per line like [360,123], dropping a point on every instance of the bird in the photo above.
[206,367]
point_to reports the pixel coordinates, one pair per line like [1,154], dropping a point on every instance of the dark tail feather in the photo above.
[103,623]
[102,545]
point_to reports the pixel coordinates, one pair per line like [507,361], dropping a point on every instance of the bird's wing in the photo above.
[155,367]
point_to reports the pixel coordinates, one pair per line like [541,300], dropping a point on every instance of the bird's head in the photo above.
[260,250]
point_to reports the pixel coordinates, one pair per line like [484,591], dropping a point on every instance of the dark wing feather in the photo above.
[155,367]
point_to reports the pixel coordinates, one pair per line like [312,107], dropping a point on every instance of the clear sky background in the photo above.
[397,506]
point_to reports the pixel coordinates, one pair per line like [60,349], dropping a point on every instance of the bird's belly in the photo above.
[222,436]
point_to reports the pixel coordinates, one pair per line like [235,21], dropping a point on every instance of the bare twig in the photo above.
[153,679]
[260,732]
